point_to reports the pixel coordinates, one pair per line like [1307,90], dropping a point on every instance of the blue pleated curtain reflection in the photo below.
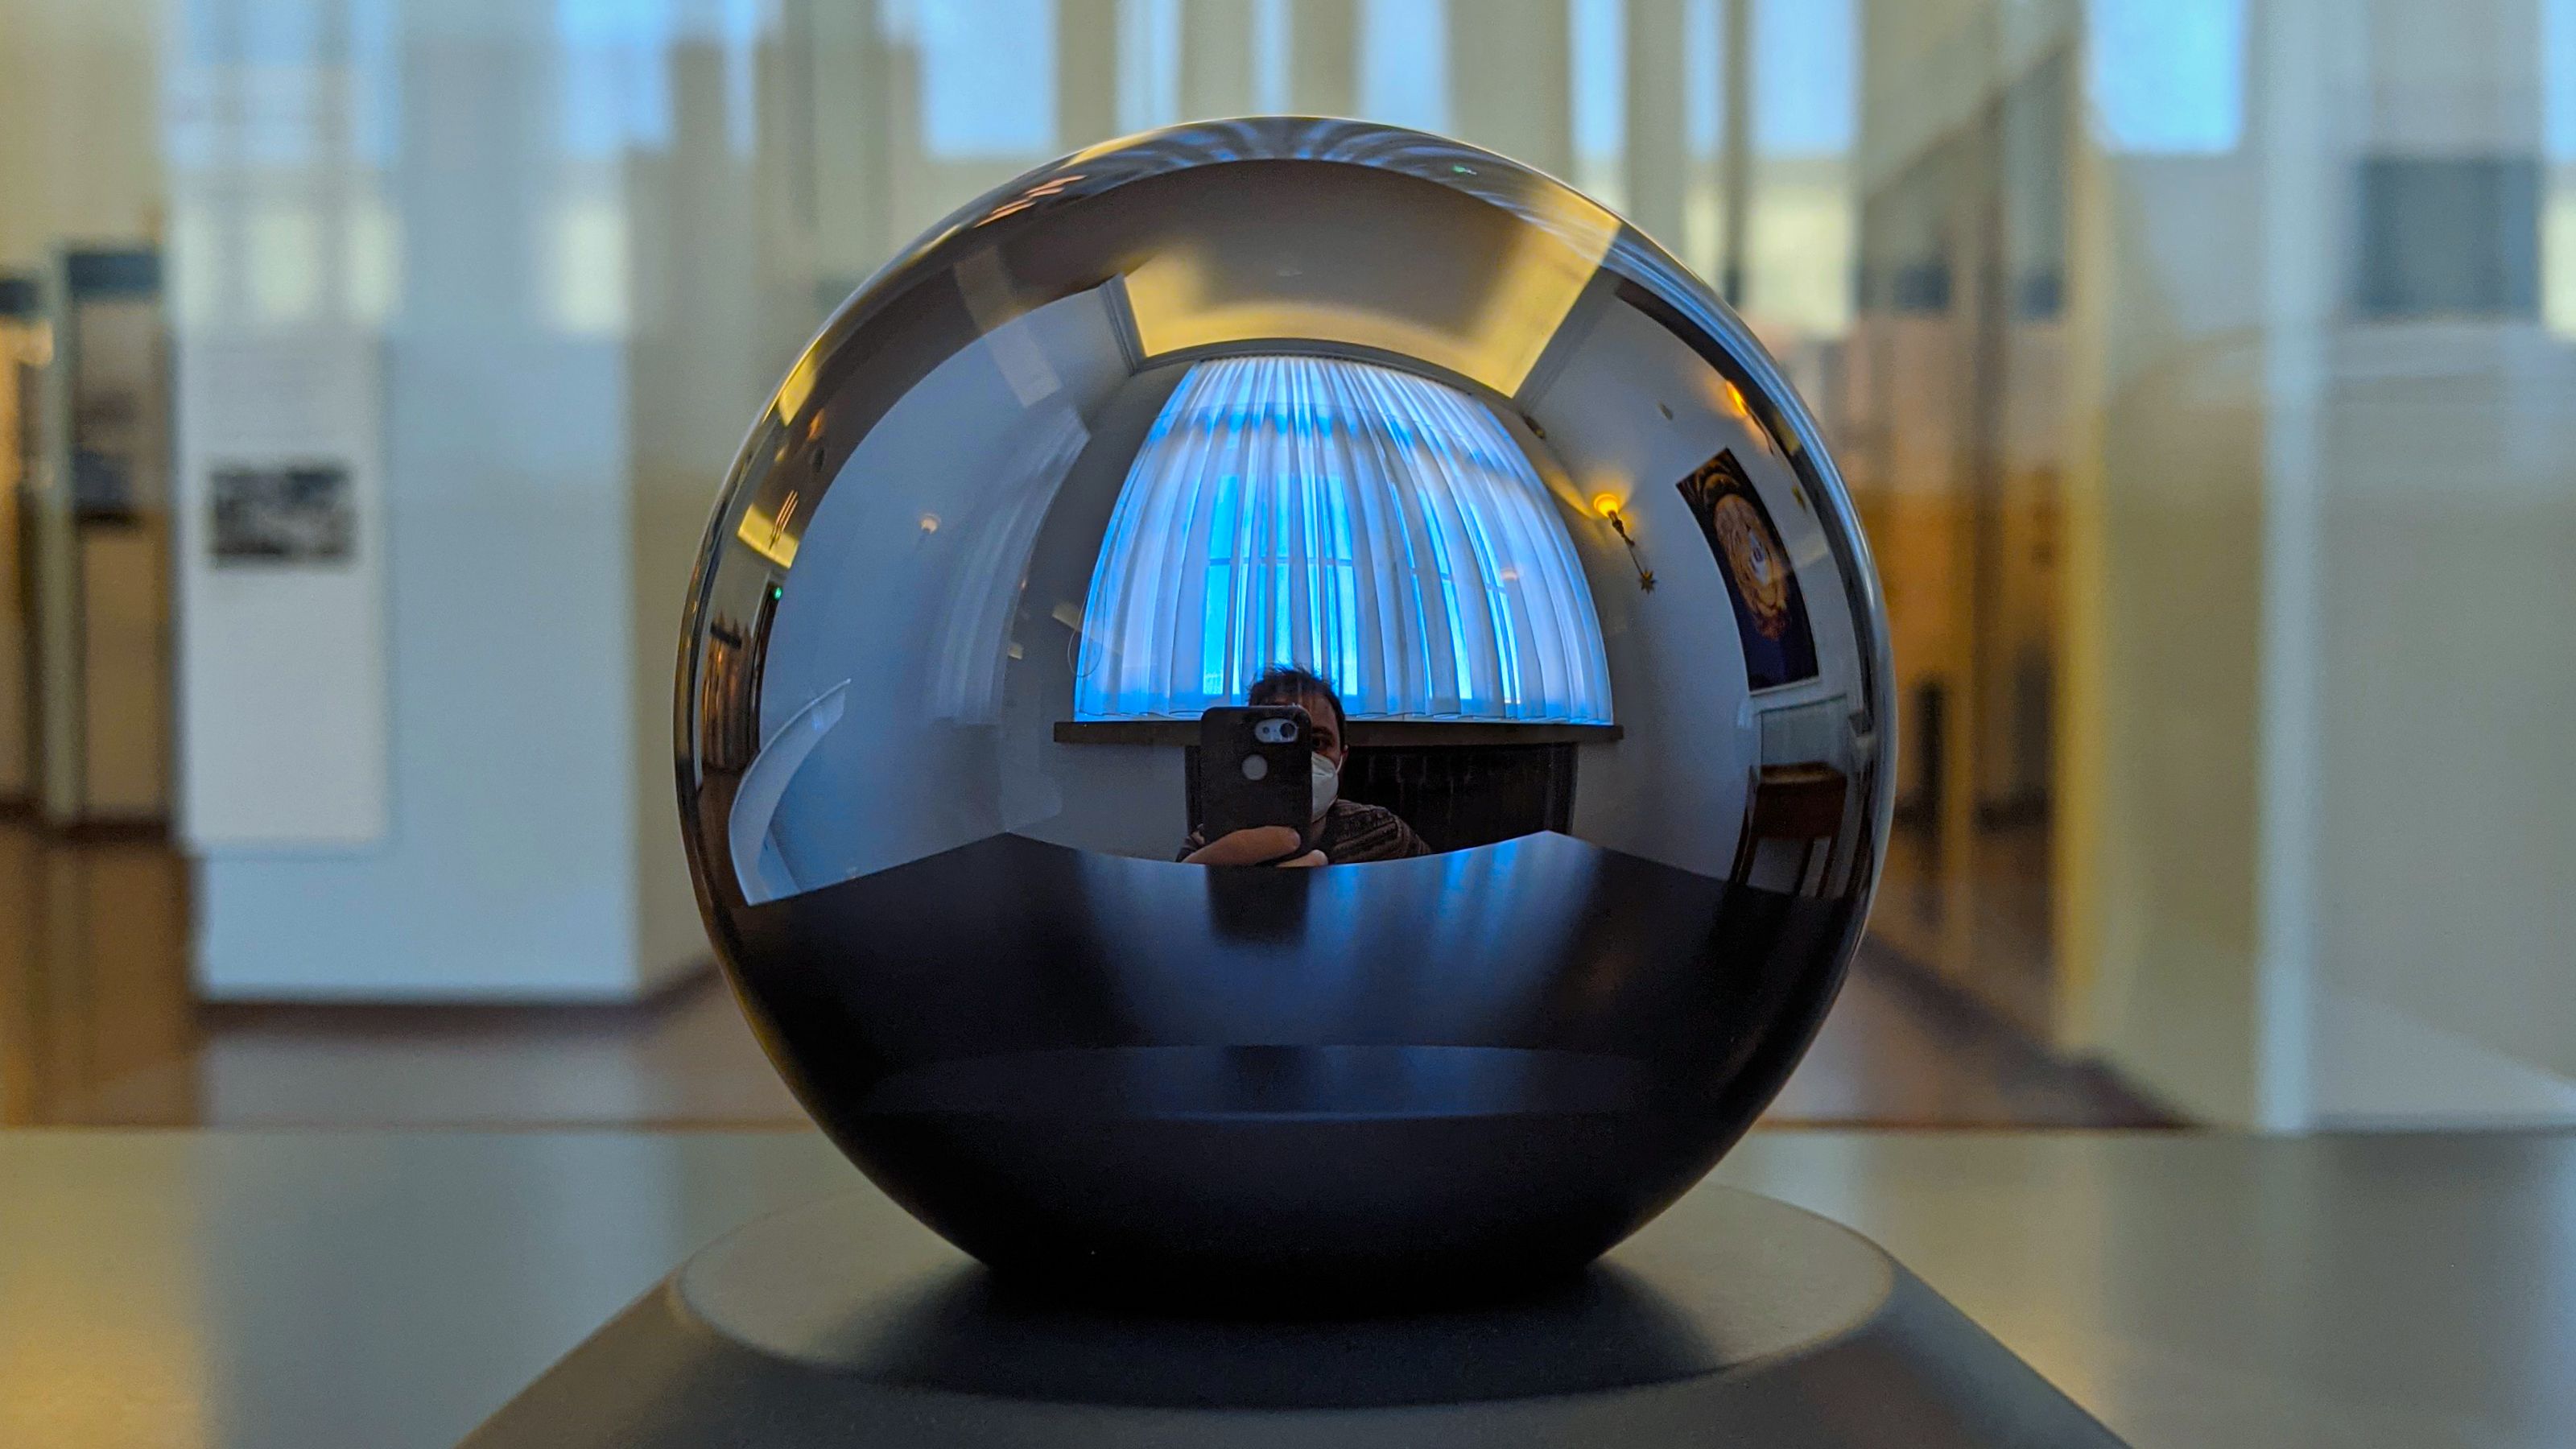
[1374,526]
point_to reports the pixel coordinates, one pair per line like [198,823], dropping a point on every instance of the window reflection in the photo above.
[987,78]
[586,266]
[280,124]
[1597,51]
[614,90]
[1273,56]
[372,261]
[1371,525]
[1704,124]
[1805,100]
[285,245]
[1404,63]
[1798,237]
[1149,64]
[2558,156]
[2167,76]
[278,50]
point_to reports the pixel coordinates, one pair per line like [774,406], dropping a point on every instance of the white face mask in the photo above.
[1328,784]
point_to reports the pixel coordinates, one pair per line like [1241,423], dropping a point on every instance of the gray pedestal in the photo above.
[1733,1319]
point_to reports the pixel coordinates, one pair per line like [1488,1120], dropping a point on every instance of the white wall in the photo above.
[1127,799]
[2159,789]
[2445,942]
[2447,799]
[507,866]
[905,587]
[280,670]
[1672,789]
[2316,822]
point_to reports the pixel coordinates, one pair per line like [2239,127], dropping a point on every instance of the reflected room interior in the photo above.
[1349,402]
[1161,534]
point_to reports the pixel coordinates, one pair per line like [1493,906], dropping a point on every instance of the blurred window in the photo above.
[2449,236]
[1404,63]
[1598,52]
[1704,75]
[1806,59]
[988,78]
[1273,47]
[1795,274]
[615,83]
[2558,144]
[2168,76]
[1704,129]
[1149,64]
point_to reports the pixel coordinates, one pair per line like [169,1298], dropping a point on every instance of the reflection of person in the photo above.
[1343,831]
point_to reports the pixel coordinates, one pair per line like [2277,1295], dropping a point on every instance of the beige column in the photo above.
[80,141]
[1086,72]
[845,72]
[1323,60]
[1658,158]
[1510,80]
[1735,145]
[1216,58]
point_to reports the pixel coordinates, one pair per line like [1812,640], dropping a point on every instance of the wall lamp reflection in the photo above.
[1607,505]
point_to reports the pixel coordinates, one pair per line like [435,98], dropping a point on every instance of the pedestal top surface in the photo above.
[393,1289]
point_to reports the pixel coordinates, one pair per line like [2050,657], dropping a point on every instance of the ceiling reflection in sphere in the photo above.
[1428,456]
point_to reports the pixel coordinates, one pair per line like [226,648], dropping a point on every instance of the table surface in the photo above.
[391,1289]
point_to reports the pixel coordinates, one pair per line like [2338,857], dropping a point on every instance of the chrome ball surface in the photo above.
[1604,783]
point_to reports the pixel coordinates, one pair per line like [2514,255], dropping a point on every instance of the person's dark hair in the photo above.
[1282,683]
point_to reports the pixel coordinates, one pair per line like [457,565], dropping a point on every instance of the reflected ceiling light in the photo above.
[768,534]
[799,386]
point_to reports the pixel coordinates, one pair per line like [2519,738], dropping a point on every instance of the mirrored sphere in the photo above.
[1474,946]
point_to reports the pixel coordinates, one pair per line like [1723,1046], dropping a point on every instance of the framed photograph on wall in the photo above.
[293,513]
[1770,612]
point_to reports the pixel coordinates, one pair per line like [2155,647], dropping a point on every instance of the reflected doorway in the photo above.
[1957,454]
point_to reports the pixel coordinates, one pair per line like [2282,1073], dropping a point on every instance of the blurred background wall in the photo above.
[2203,370]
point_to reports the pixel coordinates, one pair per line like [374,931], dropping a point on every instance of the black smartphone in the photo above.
[1256,766]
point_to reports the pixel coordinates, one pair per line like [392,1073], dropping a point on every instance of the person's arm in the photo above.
[1260,845]
[1365,833]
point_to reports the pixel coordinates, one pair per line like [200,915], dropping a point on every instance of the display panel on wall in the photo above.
[283,514]
[1770,609]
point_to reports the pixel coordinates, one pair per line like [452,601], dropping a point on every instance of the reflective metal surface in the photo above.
[1603,748]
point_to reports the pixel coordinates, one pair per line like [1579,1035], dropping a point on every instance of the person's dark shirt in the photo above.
[1350,833]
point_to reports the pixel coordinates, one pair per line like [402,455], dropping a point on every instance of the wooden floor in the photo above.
[97,1027]
[2004,936]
